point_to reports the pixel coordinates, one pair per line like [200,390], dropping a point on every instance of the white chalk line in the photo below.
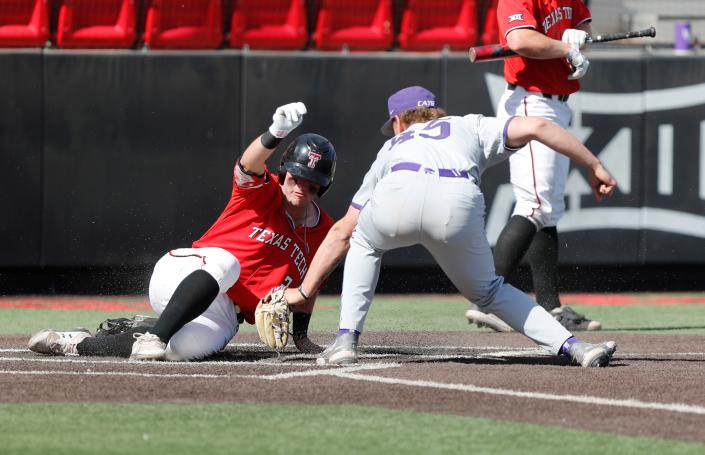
[324,371]
[351,372]
[113,373]
[584,399]
[92,361]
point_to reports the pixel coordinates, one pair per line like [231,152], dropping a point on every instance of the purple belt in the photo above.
[415,167]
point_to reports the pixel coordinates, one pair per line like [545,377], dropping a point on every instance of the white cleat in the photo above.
[476,316]
[53,342]
[147,346]
[342,352]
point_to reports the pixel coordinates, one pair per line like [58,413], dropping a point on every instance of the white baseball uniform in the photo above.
[538,174]
[423,188]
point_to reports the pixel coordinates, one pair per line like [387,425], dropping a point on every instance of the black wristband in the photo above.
[269,141]
[303,294]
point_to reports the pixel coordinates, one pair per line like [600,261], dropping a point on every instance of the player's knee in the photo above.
[183,347]
[539,219]
[484,296]
[222,266]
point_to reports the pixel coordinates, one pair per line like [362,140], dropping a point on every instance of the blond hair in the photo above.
[421,115]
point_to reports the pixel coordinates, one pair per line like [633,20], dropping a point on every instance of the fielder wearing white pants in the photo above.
[423,189]
[538,174]
[212,330]
[446,216]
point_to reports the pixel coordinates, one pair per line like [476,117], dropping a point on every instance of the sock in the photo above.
[299,325]
[119,345]
[543,261]
[512,244]
[342,332]
[565,349]
[190,299]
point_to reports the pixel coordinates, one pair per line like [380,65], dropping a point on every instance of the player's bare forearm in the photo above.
[332,250]
[529,43]
[254,156]
[521,130]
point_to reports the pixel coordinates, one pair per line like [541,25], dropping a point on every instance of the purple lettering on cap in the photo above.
[405,99]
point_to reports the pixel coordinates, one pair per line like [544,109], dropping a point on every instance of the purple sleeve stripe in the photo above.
[357,206]
[504,135]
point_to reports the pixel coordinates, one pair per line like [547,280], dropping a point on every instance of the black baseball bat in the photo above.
[498,51]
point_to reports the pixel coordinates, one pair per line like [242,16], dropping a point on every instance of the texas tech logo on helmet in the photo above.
[313,158]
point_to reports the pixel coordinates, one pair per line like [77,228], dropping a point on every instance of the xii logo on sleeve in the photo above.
[313,158]
[515,17]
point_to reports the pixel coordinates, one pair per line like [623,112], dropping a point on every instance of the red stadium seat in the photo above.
[96,24]
[24,23]
[431,25]
[184,24]
[269,24]
[490,31]
[354,24]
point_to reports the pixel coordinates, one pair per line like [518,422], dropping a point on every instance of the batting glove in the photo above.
[575,36]
[578,61]
[286,118]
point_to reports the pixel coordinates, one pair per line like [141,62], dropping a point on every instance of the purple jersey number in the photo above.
[443,129]
[439,127]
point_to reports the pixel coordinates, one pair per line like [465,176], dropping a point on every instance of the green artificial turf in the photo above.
[285,429]
[407,313]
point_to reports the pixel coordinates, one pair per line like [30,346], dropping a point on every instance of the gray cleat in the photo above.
[53,342]
[482,319]
[592,355]
[343,351]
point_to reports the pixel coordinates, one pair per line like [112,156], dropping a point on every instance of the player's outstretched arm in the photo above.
[331,251]
[285,119]
[521,130]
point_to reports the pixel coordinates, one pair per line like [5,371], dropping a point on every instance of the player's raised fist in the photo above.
[286,118]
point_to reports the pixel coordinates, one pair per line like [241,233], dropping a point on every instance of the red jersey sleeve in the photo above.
[513,14]
[581,13]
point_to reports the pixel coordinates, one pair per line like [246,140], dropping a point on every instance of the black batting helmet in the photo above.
[311,157]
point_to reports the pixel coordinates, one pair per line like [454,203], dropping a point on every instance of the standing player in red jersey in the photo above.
[547,35]
[265,237]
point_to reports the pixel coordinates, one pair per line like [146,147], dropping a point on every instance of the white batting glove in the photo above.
[575,36]
[286,118]
[578,61]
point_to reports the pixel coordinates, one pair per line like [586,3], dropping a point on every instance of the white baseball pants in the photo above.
[211,331]
[446,216]
[537,173]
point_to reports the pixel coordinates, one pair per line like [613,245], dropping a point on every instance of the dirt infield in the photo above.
[654,387]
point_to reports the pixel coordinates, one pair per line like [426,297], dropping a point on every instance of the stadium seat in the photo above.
[24,23]
[431,25]
[96,24]
[184,24]
[354,25]
[490,31]
[269,24]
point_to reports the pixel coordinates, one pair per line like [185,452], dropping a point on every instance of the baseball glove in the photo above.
[272,319]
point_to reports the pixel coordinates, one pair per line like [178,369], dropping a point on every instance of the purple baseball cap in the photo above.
[405,99]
